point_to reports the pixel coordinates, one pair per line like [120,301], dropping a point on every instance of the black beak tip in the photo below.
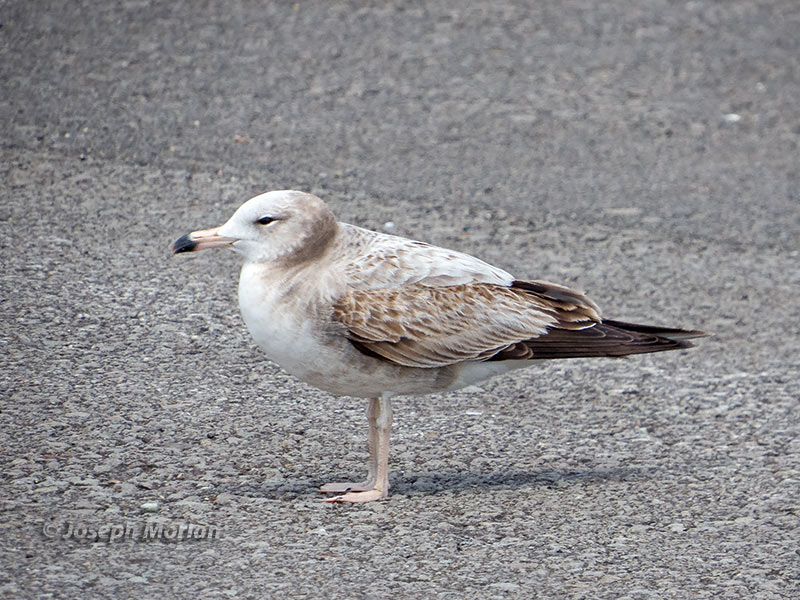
[183,244]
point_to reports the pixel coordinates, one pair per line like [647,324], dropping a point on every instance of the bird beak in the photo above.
[200,240]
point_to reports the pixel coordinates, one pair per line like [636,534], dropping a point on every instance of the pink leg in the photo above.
[376,487]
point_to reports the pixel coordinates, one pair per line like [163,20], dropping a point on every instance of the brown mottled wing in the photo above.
[422,326]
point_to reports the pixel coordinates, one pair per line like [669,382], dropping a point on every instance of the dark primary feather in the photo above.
[607,339]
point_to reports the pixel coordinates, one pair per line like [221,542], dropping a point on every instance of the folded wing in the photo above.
[423,326]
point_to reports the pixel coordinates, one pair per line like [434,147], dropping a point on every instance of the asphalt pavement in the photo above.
[646,152]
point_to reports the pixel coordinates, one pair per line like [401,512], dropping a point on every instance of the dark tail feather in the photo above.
[609,338]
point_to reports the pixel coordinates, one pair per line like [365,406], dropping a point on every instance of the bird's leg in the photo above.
[376,487]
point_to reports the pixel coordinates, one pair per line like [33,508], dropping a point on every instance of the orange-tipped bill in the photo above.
[200,240]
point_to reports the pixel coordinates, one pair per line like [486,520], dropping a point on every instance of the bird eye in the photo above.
[265,220]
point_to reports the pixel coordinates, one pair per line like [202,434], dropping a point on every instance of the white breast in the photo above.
[283,321]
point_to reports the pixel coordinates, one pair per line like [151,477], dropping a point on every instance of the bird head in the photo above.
[282,225]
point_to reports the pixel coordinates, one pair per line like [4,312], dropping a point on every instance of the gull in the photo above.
[359,313]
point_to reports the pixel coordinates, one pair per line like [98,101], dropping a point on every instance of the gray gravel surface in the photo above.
[646,152]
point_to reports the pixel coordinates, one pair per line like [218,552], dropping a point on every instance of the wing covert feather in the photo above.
[387,261]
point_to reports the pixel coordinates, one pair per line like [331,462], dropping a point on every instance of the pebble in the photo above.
[225,498]
[150,507]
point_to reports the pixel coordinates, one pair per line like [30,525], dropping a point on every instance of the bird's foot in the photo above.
[345,486]
[364,496]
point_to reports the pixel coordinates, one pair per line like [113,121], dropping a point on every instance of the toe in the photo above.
[358,497]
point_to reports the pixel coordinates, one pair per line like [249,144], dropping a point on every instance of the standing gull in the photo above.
[360,313]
